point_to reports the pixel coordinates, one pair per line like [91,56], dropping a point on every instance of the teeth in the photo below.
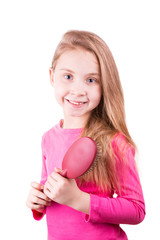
[76,103]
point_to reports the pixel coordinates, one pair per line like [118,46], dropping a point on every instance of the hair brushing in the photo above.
[80,158]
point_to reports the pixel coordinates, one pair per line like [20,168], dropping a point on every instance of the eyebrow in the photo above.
[69,70]
[66,69]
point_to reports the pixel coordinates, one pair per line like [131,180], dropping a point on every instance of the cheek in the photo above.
[97,96]
[59,93]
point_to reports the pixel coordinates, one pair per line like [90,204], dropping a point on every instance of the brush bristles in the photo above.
[95,162]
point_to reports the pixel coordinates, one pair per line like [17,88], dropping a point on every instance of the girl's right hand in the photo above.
[37,200]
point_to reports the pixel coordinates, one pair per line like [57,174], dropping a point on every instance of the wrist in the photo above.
[81,202]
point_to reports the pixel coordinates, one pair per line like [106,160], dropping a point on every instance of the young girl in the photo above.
[87,87]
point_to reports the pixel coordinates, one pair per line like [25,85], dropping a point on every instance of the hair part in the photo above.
[108,118]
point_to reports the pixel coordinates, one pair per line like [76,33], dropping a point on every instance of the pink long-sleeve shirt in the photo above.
[106,211]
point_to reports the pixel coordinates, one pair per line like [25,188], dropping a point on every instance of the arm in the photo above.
[66,192]
[38,214]
[61,190]
[128,207]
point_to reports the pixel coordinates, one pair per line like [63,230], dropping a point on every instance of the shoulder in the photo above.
[50,134]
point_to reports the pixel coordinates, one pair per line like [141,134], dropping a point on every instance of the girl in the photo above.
[87,87]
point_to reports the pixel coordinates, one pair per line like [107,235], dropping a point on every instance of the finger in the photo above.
[37,186]
[39,201]
[58,170]
[61,172]
[51,180]
[49,186]
[40,195]
[35,206]
[57,177]
[64,173]
[41,209]
[47,191]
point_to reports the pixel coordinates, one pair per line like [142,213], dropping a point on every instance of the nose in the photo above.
[78,92]
[78,88]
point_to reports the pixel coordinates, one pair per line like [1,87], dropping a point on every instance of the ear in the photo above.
[51,74]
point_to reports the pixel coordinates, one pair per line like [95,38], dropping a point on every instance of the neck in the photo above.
[71,123]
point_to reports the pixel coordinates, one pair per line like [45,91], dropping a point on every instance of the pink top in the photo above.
[106,211]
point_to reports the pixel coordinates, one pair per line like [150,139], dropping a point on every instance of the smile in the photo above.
[75,102]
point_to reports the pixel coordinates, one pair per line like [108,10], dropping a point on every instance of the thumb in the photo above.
[37,186]
[57,170]
[60,171]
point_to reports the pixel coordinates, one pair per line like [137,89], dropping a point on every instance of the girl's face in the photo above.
[76,80]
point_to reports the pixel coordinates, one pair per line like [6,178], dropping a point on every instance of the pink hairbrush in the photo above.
[79,157]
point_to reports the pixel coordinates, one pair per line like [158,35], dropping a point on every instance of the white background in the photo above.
[29,33]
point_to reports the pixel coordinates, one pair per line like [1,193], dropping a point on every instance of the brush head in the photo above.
[79,157]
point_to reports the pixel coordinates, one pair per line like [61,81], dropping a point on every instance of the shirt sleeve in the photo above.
[37,215]
[128,207]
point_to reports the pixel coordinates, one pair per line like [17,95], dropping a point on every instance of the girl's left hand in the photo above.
[64,191]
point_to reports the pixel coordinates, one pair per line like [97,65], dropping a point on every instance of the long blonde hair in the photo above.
[108,118]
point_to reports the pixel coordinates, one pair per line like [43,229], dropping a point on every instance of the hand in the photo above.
[65,191]
[37,200]
[61,189]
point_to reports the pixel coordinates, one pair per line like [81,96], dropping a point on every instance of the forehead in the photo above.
[78,59]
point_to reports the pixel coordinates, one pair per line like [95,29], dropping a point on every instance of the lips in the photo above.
[76,103]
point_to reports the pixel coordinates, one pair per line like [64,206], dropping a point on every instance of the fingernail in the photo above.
[64,172]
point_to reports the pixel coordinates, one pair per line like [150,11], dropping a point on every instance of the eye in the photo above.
[91,80]
[68,76]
